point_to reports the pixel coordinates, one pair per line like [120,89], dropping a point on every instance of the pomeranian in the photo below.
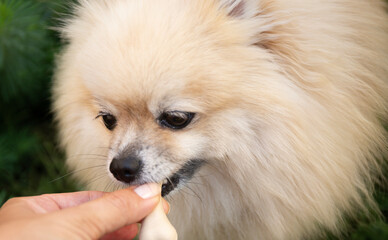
[262,118]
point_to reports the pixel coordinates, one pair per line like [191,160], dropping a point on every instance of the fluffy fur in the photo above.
[289,96]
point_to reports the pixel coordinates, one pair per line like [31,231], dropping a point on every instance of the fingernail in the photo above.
[148,190]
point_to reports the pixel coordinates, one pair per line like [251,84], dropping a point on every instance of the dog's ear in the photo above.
[240,8]
[256,19]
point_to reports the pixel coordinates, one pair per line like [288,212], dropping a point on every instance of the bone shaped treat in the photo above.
[156,226]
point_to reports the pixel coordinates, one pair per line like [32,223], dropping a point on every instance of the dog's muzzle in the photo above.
[128,169]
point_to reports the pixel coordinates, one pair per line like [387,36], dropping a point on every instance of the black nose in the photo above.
[125,169]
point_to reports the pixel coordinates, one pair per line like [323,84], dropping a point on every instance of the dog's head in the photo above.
[168,85]
[245,94]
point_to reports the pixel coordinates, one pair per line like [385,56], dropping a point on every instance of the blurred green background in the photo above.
[30,160]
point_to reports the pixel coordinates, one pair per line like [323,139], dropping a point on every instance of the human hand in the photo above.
[79,215]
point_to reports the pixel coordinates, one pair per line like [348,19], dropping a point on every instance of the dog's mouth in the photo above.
[184,174]
[178,179]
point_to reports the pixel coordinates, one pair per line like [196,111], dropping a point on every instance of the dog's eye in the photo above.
[108,119]
[175,119]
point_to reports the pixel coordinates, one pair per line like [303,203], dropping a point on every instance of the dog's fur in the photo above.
[289,96]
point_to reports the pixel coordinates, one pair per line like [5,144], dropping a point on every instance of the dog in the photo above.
[262,118]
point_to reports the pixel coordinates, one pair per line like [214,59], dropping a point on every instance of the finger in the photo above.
[15,208]
[125,233]
[110,212]
[66,200]
[30,206]
[53,202]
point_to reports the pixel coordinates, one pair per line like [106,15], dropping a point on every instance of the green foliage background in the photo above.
[29,158]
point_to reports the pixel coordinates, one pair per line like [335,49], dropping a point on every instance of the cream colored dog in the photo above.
[261,117]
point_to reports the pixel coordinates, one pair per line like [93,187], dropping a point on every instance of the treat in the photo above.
[156,226]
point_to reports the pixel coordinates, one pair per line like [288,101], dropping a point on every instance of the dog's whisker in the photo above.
[109,148]
[197,183]
[96,178]
[93,159]
[200,176]
[75,172]
[194,193]
[168,179]
[108,186]
[186,193]
[217,169]
[88,154]
[117,187]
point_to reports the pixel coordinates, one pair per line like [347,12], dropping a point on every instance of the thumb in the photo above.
[112,211]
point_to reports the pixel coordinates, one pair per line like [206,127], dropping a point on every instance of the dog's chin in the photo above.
[177,179]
